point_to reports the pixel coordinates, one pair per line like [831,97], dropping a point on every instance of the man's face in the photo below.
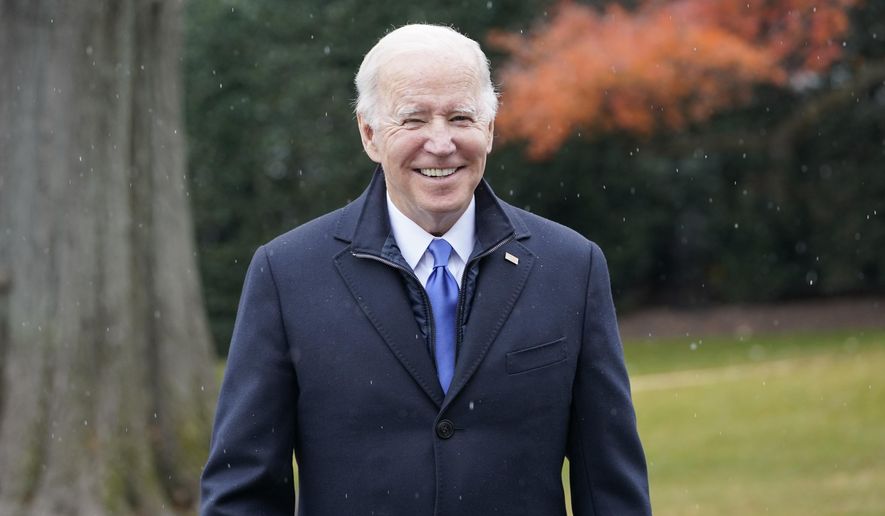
[429,138]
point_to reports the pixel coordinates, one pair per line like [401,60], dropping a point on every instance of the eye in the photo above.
[461,118]
[412,122]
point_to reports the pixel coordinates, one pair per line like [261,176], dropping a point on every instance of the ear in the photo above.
[491,136]
[367,135]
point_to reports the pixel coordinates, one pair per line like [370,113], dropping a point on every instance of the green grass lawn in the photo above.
[783,425]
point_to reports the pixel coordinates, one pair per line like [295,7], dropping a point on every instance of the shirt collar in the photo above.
[412,240]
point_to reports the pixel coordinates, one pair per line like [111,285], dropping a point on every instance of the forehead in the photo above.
[421,81]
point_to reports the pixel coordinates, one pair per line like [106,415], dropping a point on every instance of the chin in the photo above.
[442,210]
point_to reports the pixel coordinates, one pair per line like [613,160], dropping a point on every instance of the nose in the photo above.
[439,139]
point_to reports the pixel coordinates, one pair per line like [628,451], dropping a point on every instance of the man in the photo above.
[427,349]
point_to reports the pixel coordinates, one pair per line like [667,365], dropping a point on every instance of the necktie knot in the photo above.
[440,250]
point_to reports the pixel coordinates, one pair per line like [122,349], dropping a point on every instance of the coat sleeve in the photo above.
[249,470]
[607,465]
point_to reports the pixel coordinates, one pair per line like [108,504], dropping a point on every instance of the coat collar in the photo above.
[364,223]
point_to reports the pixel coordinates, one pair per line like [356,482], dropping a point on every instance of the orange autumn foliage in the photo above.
[660,67]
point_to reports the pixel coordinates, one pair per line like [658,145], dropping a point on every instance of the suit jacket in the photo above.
[329,359]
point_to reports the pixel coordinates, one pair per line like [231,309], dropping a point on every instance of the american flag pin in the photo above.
[512,259]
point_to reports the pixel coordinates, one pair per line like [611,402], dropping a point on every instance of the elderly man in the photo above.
[427,349]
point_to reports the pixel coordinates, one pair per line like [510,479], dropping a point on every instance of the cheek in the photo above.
[476,147]
[477,141]
[404,146]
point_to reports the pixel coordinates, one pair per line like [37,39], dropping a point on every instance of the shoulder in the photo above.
[547,236]
[313,239]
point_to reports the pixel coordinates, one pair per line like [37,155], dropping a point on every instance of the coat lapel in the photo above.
[378,290]
[499,285]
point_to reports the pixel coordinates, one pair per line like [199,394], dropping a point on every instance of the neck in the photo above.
[439,228]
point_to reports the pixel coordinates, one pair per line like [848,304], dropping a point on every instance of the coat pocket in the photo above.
[535,357]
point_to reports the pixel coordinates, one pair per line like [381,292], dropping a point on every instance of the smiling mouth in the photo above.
[437,172]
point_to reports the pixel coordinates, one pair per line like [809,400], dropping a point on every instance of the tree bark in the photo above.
[106,377]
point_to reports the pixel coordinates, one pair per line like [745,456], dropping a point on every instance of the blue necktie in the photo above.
[443,293]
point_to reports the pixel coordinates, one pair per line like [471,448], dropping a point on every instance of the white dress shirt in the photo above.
[412,241]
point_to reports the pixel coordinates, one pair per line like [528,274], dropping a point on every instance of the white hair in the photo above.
[408,39]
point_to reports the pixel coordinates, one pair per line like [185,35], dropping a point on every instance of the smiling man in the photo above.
[427,349]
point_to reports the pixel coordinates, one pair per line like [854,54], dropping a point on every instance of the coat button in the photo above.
[445,429]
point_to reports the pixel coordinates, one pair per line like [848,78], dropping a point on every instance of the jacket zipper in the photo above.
[462,296]
[428,309]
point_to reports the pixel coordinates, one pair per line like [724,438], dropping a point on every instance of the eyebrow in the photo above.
[467,110]
[409,111]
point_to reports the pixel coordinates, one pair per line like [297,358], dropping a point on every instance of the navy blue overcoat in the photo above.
[330,358]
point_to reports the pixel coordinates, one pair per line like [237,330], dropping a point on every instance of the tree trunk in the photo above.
[106,378]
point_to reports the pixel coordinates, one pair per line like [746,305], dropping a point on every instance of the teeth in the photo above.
[437,172]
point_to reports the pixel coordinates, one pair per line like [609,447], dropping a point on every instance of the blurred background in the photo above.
[717,153]
[729,158]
